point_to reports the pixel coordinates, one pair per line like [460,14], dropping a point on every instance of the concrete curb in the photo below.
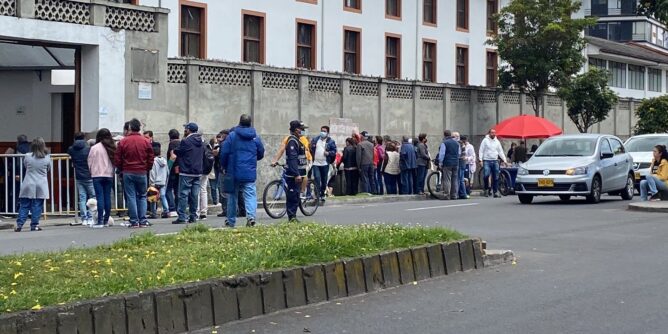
[199,305]
[661,207]
[497,257]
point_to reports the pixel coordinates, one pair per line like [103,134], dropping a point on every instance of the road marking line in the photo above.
[443,207]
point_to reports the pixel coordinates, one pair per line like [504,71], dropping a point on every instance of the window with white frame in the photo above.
[654,79]
[617,74]
[597,63]
[636,77]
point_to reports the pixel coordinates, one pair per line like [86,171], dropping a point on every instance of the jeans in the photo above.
[406,182]
[102,187]
[163,200]
[203,206]
[292,197]
[173,192]
[368,184]
[134,188]
[650,186]
[491,167]
[32,205]
[86,191]
[352,181]
[379,179]
[421,176]
[248,191]
[451,181]
[188,195]
[320,174]
[391,183]
[214,186]
[463,171]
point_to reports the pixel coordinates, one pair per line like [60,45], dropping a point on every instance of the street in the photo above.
[580,268]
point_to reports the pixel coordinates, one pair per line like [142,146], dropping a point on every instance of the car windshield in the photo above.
[567,147]
[645,144]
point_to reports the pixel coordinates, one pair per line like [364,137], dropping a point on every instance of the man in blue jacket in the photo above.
[190,155]
[79,155]
[408,165]
[323,151]
[448,156]
[241,151]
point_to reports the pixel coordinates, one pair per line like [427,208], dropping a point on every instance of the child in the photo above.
[158,179]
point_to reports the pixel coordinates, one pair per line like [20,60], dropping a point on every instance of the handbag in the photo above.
[228,179]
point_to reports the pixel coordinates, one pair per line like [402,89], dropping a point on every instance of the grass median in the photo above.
[35,280]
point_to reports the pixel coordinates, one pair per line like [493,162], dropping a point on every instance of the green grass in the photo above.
[35,280]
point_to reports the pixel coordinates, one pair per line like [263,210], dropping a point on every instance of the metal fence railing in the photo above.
[64,196]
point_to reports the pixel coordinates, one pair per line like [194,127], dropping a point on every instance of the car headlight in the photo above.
[577,171]
[522,171]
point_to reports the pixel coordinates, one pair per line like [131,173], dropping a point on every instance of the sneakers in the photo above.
[173,214]
[35,229]
[202,217]
[164,215]
[134,225]
[222,215]
[497,195]
[250,223]
[655,197]
[192,221]
[178,221]
[294,220]
[98,226]
[227,224]
[145,223]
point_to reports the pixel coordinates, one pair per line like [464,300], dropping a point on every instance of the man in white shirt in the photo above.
[323,149]
[489,154]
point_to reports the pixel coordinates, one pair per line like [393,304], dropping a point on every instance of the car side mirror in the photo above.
[607,155]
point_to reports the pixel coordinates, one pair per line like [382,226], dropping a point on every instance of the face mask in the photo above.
[323,134]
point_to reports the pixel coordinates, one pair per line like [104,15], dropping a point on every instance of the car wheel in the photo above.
[565,198]
[629,190]
[595,193]
[525,199]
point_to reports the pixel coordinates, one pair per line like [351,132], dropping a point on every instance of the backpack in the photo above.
[208,160]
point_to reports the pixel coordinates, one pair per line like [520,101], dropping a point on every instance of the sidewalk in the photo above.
[9,222]
[661,206]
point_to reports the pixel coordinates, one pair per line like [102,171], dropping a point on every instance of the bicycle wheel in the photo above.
[273,199]
[434,185]
[309,205]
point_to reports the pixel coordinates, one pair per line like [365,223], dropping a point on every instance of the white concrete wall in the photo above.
[39,100]
[225,23]
[103,65]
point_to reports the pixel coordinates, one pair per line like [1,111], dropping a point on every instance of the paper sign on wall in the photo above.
[145,91]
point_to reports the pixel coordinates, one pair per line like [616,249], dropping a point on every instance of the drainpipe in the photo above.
[417,42]
[322,35]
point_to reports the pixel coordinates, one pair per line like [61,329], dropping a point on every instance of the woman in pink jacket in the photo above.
[102,171]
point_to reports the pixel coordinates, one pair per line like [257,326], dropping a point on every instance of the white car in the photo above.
[640,147]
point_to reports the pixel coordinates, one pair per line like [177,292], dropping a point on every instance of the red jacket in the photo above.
[134,154]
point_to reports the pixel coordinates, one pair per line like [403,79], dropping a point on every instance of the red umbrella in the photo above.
[527,127]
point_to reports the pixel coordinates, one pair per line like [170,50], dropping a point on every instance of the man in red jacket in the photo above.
[134,158]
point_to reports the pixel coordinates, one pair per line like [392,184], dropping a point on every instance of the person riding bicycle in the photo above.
[295,159]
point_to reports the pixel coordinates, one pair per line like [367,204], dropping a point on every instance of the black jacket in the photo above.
[349,158]
[79,154]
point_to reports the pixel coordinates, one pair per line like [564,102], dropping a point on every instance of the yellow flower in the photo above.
[108,262]
[37,307]
[14,283]
[69,261]
[18,263]
[17,275]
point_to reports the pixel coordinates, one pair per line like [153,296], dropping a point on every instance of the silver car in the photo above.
[577,165]
[640,147]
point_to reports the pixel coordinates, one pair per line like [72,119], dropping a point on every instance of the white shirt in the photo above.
[470,157]
[491,149]
[319,158]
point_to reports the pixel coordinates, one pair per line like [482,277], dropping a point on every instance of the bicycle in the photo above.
[434,182]
[274,197]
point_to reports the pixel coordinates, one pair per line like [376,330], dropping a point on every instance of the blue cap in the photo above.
[191,126]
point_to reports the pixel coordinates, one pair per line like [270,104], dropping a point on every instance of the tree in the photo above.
[652,116]
[588,98]
[540,44]
[657,9]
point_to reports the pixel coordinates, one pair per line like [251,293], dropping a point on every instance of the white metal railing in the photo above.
[64,196]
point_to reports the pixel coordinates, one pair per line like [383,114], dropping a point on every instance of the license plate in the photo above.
[545,183]
[637,175]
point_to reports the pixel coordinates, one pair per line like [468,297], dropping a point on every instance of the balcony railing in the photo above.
[112,14]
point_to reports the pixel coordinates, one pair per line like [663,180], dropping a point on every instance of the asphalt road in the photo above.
[581,269]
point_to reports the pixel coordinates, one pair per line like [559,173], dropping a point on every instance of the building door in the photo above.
[68,120]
